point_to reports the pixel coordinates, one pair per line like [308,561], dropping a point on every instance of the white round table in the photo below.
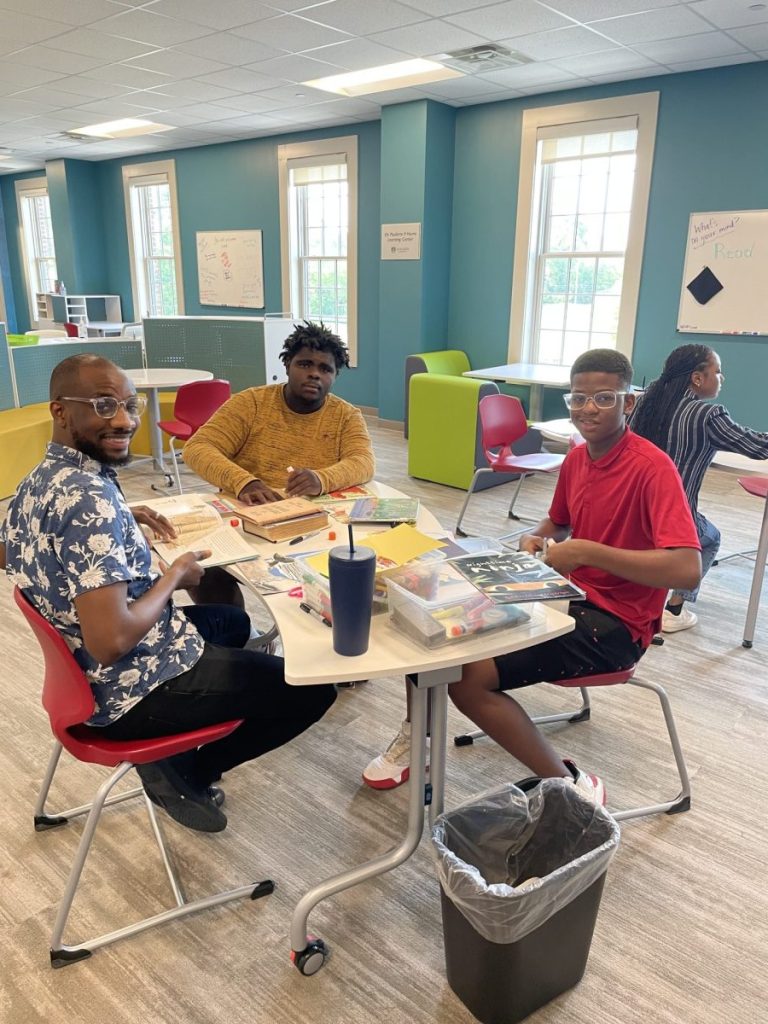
[153,380]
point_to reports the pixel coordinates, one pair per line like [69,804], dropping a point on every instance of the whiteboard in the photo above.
[230,269]
[726,266]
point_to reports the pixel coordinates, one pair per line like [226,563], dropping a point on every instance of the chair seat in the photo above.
[176,428]
[604,679]
[757,485]
[87,743]
[539,462]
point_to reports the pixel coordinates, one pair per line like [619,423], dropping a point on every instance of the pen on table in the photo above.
[314,614]
[306,536]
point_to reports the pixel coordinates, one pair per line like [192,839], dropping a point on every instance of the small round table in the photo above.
[153,380]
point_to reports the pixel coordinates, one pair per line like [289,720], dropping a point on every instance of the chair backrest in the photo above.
[67,695]
[196,403]
[502,421]
[73,331]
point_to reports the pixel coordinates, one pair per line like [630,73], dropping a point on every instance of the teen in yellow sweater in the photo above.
[295,436]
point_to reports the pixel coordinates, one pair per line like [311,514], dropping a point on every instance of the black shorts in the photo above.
[599,643]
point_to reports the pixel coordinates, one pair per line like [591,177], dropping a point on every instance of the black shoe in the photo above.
[217,794]
[166,788]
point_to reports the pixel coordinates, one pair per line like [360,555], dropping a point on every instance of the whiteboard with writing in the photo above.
[725,275]
[230,270]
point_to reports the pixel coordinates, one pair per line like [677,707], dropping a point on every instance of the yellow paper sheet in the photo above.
[393,548]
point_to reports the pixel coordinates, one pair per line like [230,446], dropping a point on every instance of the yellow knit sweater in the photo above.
[255,436]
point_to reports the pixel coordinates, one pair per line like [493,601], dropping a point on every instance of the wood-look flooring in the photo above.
[682,933]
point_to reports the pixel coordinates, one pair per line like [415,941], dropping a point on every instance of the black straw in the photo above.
[351,539]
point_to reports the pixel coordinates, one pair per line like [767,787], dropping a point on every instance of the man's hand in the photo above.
[568,555]
[188,568]
[531,543]
[301,482]
[257,493]
[158,524]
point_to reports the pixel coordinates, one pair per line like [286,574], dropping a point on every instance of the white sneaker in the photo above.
[674,623]
[392,768]
[590,786]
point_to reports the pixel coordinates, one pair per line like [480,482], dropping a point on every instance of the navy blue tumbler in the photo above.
[351,573]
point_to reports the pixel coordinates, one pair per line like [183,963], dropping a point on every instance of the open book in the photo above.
[384,510]
[516,576]
[199,527]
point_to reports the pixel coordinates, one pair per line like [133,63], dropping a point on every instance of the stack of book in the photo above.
[282,520]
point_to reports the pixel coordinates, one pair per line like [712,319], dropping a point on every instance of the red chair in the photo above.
[194,406]
[682,802]
[502,423]
[757,485]
[72,330]
[68,699]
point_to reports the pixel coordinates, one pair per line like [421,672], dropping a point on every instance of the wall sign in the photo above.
[401,241]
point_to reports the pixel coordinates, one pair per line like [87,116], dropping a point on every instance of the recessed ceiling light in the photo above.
[387,76]
[121,129]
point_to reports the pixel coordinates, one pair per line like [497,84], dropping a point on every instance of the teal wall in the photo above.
[455,171]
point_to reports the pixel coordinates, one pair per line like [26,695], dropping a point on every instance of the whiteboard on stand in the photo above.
[230,269]
[726,269]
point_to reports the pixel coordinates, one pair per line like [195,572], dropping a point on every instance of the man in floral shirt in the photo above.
[76,551]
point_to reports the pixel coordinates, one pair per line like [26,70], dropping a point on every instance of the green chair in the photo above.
[452,362]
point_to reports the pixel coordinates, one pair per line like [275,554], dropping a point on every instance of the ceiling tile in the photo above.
[220,16]
[229,49]
[593,10]
[180,65]
[53,60]
[562,42]
[22,77]
[713,62]
[12,109]
[708,44]
[427,37]
[730,13]
[439,8]
[295,68]
[116,108]
[607,62]
[239,80]
[292,33]
[192,89]
[359,53]
[363,17]
[84,12]
[127,75]
[638,28]
[151,28]
[755,38]
[462,88]
[18,30]
[99,44]
[529,74]
[513,18]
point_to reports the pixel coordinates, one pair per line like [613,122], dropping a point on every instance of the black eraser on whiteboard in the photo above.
[704,286]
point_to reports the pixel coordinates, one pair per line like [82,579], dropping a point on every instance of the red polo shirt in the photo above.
[631,498]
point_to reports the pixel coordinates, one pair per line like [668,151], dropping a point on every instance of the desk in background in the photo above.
[535,376]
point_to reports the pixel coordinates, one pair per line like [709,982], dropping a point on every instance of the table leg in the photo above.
[535,402]
[757,581]
[155,435]
[308,953]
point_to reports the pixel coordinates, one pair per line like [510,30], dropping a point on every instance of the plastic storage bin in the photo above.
[512,947]
[435,605]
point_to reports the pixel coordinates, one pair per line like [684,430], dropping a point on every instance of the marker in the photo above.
[314,614]
[289,469]
[305,536]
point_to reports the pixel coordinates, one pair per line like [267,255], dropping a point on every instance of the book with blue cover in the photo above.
[516,576]
[384,510]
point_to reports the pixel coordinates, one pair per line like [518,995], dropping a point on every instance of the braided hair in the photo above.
[653,413]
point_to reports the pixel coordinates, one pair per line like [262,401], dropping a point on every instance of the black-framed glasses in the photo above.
[600,399]
[106,406]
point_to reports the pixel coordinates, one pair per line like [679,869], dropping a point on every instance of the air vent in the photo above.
[486,57]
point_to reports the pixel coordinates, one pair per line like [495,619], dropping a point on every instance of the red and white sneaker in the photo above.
[392,768]
[590,786]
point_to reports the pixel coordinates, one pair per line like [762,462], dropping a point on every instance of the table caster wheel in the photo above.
[311,958]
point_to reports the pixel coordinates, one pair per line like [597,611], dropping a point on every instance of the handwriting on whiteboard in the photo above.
[708,228]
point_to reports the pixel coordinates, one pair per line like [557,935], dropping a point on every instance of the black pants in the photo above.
[227,682]
[599,643]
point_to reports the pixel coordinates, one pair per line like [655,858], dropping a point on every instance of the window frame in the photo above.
[522,315]
[26,188]
[132,176]
[313,152]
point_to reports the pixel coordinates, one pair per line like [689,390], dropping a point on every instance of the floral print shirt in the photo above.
[68,531]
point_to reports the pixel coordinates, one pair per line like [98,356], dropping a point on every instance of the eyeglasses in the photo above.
[601,399]
[106,406]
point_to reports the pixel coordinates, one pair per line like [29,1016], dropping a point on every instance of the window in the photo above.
[584,181]
[38,252]
[318,219]
[153,236]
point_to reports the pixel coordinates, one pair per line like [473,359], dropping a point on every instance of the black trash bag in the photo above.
[551,839]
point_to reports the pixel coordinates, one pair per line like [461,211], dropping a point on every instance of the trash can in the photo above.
[521,875]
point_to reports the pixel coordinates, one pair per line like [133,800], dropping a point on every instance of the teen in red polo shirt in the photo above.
[620,527]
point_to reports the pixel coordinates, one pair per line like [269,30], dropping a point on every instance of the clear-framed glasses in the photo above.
[600,399]
[106,406]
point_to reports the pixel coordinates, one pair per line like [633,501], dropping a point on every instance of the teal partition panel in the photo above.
[231,349]
[33,364]
[6,384]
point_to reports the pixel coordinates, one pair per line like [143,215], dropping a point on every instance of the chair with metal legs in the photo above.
[682,801]
[194,405]
[757,485]
[68,699]
[502,423]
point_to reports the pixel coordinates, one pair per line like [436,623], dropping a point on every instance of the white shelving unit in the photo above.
[98,314]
